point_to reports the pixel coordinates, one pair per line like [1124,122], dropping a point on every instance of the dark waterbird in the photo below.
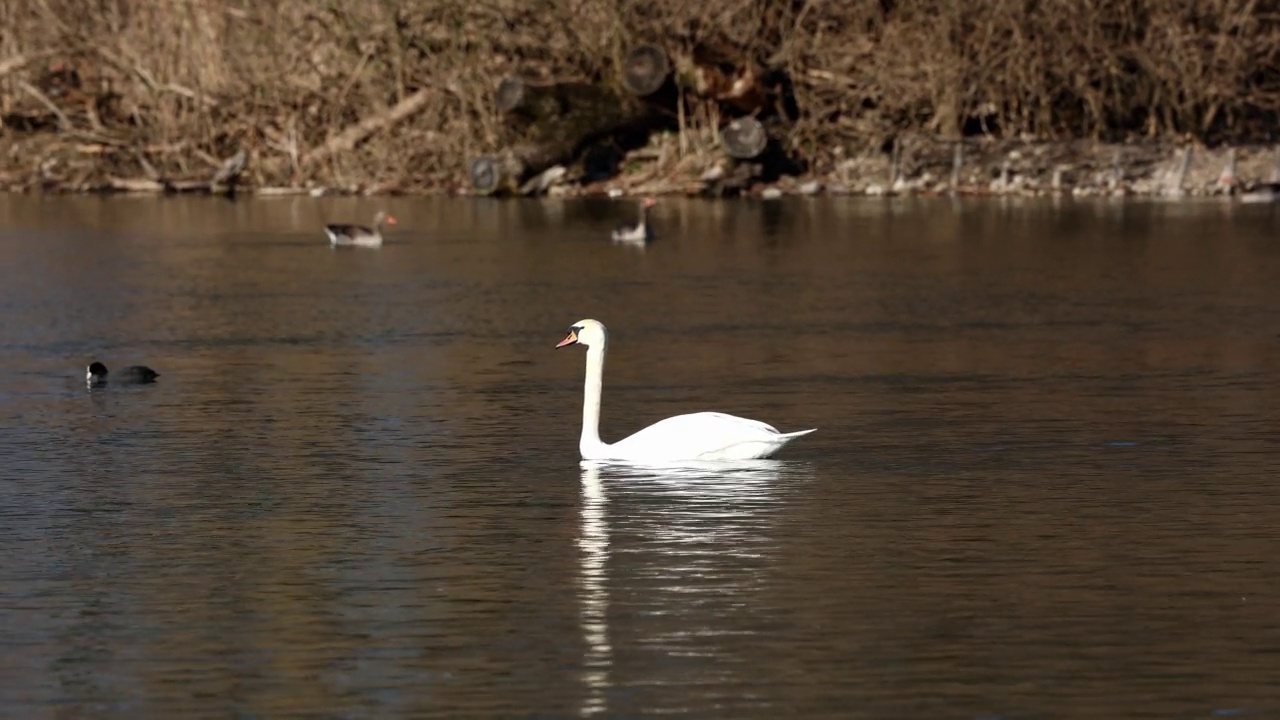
[134,374]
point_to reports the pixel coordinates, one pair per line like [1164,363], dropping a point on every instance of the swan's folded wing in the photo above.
[697,435]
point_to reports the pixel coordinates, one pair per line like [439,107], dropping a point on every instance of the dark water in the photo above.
[1044,484]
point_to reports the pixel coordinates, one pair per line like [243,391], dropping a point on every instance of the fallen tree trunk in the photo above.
[553,124]
[148,185]
[526,102]
[346,140]
[495,174]
[224,182]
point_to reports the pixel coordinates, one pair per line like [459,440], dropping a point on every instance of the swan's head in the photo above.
[585,332]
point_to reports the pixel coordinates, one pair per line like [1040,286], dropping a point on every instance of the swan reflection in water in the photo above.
[696,535]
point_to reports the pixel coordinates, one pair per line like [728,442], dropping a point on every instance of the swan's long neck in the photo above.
[591,400]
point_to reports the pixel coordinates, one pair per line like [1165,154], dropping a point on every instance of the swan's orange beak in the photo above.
[569,339]
[391,219]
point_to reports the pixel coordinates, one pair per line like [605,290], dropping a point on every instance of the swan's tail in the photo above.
[796,434]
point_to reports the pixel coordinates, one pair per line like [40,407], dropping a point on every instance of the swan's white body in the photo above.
[703,436]
[696,437]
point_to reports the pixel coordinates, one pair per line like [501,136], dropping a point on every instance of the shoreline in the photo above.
[920,166]
[757,99]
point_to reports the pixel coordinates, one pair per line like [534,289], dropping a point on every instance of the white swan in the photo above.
[697,436]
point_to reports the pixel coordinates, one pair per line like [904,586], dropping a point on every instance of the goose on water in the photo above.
[639,232]
[359,235]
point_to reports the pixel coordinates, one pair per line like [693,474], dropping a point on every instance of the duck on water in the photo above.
[134,374]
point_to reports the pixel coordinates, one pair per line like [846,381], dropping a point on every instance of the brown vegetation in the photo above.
[381,95]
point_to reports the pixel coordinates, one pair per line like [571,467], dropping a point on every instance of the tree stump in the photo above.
[645,70]
[734,181]
[495,175]
[744,138]
[510,94]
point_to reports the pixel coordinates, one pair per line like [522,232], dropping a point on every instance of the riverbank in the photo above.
[919,166]
[499,97]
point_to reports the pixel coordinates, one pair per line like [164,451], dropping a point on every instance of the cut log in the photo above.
[732,182]
[645,70]
[744,138]
[510,94]
[495,175]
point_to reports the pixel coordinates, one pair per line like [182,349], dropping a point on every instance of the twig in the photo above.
[355,75]
[346,140]
[784,55]
[895,158]
[229,172]
[147,167]
[134,185]
[21,60]
[276,191]
[682,126]
[284,143]
[187,93]
[128,67]
[103,138]
[1180,179]
[63,121]
[160,185]
[957,163]
[149,80]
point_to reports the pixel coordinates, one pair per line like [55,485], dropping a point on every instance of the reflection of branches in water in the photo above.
[693,516]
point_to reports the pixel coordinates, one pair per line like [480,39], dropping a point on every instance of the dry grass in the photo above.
[171,87]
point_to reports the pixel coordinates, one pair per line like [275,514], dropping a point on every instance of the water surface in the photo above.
[1043,483]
